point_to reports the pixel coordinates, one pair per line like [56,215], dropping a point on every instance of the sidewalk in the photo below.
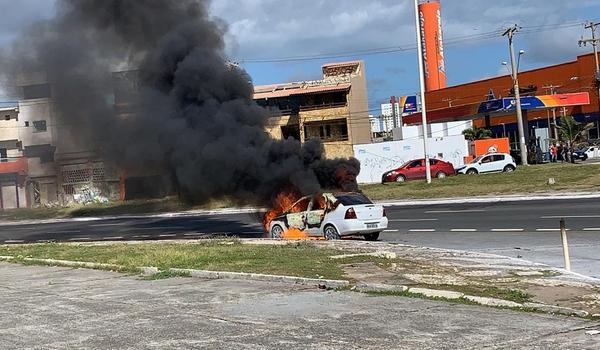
[62,308]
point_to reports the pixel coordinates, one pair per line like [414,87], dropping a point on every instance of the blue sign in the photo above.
[410,105]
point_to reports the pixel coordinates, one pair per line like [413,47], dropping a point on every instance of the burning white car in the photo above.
[330,216]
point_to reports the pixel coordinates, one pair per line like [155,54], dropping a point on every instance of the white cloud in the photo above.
[276,28]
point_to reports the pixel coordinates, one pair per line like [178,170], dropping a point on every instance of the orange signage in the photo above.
[491,146]
[430,18]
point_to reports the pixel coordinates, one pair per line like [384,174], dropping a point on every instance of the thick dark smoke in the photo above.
[193,115]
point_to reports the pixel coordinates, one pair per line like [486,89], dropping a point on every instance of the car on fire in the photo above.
[332,216]
[415,169]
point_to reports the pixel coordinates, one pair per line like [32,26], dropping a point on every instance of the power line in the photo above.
[408,47]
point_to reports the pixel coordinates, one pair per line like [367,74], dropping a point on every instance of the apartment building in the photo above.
[333,109]
[40,163]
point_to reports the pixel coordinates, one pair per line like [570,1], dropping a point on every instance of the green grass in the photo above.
[568,177]
[302,260]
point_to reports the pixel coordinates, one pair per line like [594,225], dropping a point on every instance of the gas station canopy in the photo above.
[499,107]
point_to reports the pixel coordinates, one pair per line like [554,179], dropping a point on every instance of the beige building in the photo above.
[333,109]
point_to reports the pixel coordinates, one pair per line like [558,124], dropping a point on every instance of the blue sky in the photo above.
[260,29]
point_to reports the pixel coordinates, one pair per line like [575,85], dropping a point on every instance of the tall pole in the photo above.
[419,28]
[510,33]
[594,41]
[552,89]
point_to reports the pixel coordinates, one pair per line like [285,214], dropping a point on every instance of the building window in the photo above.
[328,131]
[39,126]
[26,124]
[7,117]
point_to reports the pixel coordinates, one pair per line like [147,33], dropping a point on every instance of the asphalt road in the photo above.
[519,229]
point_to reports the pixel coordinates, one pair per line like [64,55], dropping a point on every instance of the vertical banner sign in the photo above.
[430,19]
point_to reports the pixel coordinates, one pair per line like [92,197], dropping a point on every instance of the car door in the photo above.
[416,170]
[486,164]
[315,214]
[296,217]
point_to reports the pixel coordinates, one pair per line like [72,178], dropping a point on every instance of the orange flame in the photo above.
[280,204]
[294,233]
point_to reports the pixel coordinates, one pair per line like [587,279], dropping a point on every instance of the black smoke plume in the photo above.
[192,114]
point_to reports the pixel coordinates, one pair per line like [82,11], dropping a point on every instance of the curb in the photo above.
[149,271]
[321,283]
[496,199]
[66,263]
[485,301]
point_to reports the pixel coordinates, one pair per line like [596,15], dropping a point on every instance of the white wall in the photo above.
[377,158]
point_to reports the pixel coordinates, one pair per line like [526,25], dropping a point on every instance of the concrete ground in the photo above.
[61,308]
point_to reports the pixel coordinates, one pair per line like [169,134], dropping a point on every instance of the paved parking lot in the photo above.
[61,308]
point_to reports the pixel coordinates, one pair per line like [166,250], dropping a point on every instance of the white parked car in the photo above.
[489,163]
[592,151]
[332,215]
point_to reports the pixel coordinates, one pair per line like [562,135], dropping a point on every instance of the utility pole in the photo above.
[422,83]
[552,89]
[594,41]
[510,32]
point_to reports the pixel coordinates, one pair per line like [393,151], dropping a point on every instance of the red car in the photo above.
[415,169]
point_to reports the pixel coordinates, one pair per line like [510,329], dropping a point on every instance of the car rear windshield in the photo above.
[353,199]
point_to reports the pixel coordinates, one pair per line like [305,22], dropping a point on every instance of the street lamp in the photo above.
[513,62]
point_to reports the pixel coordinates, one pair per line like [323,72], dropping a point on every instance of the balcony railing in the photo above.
[13,165]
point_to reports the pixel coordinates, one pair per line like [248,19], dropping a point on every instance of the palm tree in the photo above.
[572,132]
[476,133]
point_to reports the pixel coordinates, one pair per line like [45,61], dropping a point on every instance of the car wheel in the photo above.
[471,172]
[277,232]
[509,169]
[331,233]
[372,236]
[400,178]
[441,175]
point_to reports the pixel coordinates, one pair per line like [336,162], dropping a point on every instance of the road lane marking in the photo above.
[80,239]
[159,228]
[168,235]
[549,229]
[454,211]
[63,232]
[592,229]
[112,238]
[141,236]
[571,217]
[196,234]
[463,230]
[391,230]
[105,225]
[14,241]
[422,230]
[508,229]
[411,220]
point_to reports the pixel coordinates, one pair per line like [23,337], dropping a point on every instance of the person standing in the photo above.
[553,153]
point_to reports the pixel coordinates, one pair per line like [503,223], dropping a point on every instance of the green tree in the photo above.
[572,132]
[476,133]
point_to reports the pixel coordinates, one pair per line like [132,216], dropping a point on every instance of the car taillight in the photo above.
[350,214]
[384,213]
